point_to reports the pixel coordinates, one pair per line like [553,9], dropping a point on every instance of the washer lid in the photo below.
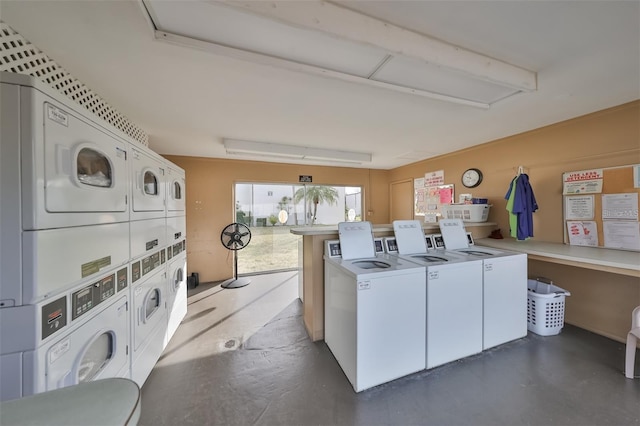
[409,236]
[454,234]
[356,240]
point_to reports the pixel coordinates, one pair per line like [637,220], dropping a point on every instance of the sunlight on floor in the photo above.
[220,320]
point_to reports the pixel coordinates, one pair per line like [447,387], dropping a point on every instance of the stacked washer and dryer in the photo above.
[75,237]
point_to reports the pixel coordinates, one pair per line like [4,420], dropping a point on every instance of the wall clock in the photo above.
[472,178]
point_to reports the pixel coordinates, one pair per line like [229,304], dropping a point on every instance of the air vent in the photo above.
[19,56]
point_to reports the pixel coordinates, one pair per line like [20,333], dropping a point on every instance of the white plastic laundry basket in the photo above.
[466,212]
[545,307]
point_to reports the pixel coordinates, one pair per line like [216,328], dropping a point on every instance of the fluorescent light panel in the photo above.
[242,147]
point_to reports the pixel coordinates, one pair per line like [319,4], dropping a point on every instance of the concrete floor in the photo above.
[228,365]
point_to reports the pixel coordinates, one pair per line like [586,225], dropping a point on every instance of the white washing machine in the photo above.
[374,309]
[78,336]
[148,191]
[454,295]
[148,313]
[504,285]
[176,190]
[64,168]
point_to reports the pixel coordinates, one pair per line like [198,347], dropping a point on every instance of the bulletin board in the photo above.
[600,207]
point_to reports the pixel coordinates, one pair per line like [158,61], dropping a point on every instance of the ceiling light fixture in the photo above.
[268,149]
[355,48]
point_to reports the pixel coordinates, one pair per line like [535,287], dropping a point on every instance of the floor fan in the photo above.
[234,237]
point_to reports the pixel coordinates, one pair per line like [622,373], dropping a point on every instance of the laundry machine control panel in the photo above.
[176,249]
[438,241]
[333,249]
[121,277]
[429,240]
[147,264]
[391,245]
[88,297]
[54,316]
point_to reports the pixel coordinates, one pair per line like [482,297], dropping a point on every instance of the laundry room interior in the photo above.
[477,168]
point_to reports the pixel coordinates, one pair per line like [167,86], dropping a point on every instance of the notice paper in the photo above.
[434,178]
[582,182]
[579,207]
[620,206]
[582,233]
[621,234]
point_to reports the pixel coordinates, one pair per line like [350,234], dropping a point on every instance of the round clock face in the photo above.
[472,178]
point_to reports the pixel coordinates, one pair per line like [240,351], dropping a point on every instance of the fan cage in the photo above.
[229,232]
[18,55]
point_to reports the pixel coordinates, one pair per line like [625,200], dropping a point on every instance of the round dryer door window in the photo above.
[93,168]
[96,357]
[177,191]
[151,304]
[150,183]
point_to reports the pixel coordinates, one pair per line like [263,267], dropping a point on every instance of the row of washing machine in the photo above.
[92,257]
[398,305]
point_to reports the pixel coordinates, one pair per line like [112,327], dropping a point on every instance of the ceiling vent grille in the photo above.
[19,56]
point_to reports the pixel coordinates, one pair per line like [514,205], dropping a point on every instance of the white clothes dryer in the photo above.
[454,296]
[176,289]
[79,336]
[148,191]
[149,314]
[176,230]
[374,309]
[176,190]
[504,285]
[65,167]
[48,262]
[147,236]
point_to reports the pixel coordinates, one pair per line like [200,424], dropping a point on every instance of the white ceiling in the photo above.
[586,55]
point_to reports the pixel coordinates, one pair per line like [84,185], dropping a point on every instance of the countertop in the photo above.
[333,229]
[565,253]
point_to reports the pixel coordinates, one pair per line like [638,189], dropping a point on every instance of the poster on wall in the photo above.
[436,196]
[579,207]
[620,206]
[582,182]
[636,176]
[434,178]
[582,233]
[621,234]
[420,207]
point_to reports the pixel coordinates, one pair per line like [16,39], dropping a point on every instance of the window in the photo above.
[259,206]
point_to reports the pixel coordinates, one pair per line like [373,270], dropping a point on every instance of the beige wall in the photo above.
[210,206]
[603,139]
[601,302]
[607,138]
